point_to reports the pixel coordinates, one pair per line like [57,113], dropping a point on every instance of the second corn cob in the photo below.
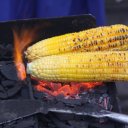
[113,37]
[89,66]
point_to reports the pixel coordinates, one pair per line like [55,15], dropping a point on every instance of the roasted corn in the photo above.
[113,37]
[81,66]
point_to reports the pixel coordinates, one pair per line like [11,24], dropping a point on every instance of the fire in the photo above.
[21,41]
[68,90]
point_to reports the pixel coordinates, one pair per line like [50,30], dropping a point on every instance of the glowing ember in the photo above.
[21,41]
[72,89]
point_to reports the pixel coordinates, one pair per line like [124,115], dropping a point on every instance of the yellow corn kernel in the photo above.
[80,67]
[113,37]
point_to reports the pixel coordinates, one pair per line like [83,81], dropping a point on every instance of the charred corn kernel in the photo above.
[113,37]
[81,66]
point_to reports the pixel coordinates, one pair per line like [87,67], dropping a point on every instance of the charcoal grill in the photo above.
[12,89]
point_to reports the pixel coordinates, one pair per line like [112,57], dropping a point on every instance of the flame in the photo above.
[68,90]
[21,41]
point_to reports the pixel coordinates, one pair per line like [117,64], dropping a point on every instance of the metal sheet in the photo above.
[15,109]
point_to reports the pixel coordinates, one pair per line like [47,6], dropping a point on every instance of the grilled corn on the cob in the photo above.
[81,66]
[113,37]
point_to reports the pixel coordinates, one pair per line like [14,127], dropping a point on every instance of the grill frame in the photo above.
[53,27]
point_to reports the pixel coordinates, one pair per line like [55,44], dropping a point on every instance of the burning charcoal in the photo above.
[9,71]
[92,96]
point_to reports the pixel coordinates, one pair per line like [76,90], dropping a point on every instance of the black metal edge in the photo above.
[54,18]
[47,27]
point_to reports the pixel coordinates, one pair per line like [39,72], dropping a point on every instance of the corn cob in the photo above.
[113,37]
[81,66]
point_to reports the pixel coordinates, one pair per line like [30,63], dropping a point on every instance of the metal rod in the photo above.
[122,118]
